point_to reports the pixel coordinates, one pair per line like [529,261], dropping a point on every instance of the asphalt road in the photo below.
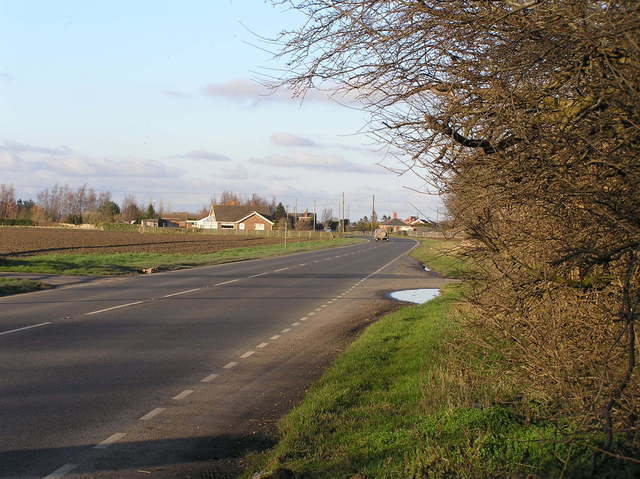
[132,376]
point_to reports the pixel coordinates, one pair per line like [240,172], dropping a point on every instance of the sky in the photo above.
[162,100]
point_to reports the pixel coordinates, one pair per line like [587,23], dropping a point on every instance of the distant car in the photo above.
[381,235]
[328,230]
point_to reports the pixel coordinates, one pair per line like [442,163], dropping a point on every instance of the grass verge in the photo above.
[127,263]
[16,286]
[414,398]
[441,256]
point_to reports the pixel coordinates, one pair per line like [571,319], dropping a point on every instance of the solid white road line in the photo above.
[230,365]
[151,414]
[61,471]
[22,329]
[226,282]
[273,338]
[183,394]
[110,440]
[114,307]
[262,345]
[209,378]
[181,292]
[247,354]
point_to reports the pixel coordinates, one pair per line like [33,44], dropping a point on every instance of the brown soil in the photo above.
[34,241]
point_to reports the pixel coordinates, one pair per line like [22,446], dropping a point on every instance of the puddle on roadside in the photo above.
[417,296]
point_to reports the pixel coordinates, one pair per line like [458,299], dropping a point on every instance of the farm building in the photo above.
[237,218]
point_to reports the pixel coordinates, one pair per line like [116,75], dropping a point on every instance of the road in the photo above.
[153,374]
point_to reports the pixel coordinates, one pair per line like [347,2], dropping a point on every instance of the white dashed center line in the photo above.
[262,345]
[230,365]
[181,292]
[183,394]
[281,269]
[114,307]
[247,354]
[25,328]
[209,378]
[302,264]
[61,471]
[226,282]
[256,275]
[110,440]
[151,414]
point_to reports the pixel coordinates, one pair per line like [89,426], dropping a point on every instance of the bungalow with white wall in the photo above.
[253,218]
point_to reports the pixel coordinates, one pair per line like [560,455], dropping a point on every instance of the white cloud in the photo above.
[303,160]
[287,139]
[6,77]
[246,91]
[15,147]
[204,155]
[237,172]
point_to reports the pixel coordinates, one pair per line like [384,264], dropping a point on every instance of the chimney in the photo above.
[395,215]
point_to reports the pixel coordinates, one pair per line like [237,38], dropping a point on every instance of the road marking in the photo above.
[230,365]
[323,306]
[302,264]
[259,274]
[273,338]
[183,394]
[209,378]
[181,292]
[114,307]
[318,310]
[296,324]
[151,414]
[311,313]
[262,345]
[285,330]
[61,471]
[22,329]
[304,318]
[247,354]
[110,440]
[281,269]
[226,282]
[330,301]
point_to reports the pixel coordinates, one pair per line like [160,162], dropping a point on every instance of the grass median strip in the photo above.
[16,286]
[128,263]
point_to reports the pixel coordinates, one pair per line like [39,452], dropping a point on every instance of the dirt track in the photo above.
[34,241]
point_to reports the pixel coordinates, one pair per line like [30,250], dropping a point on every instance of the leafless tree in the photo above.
[526,116]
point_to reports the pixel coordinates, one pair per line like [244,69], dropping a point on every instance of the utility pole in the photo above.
[342,215]
[314,215]
[373,211]
[295,216]
[286,223]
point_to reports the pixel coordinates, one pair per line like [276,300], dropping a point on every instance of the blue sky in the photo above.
[160,99]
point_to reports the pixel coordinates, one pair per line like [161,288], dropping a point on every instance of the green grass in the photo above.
[413,398]
[127,263]
[15,286]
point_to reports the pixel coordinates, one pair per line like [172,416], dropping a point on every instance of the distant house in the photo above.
[395,224]
[253,218]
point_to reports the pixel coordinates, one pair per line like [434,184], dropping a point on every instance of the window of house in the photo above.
[226,227]
[259,226]
[241,226]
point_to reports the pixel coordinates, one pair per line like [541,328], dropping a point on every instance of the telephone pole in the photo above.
[314,215]
[342,215]
[373,211]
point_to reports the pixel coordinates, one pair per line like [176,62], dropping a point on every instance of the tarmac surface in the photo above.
[181,374]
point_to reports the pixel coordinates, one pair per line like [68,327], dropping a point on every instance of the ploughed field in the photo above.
[34,241]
